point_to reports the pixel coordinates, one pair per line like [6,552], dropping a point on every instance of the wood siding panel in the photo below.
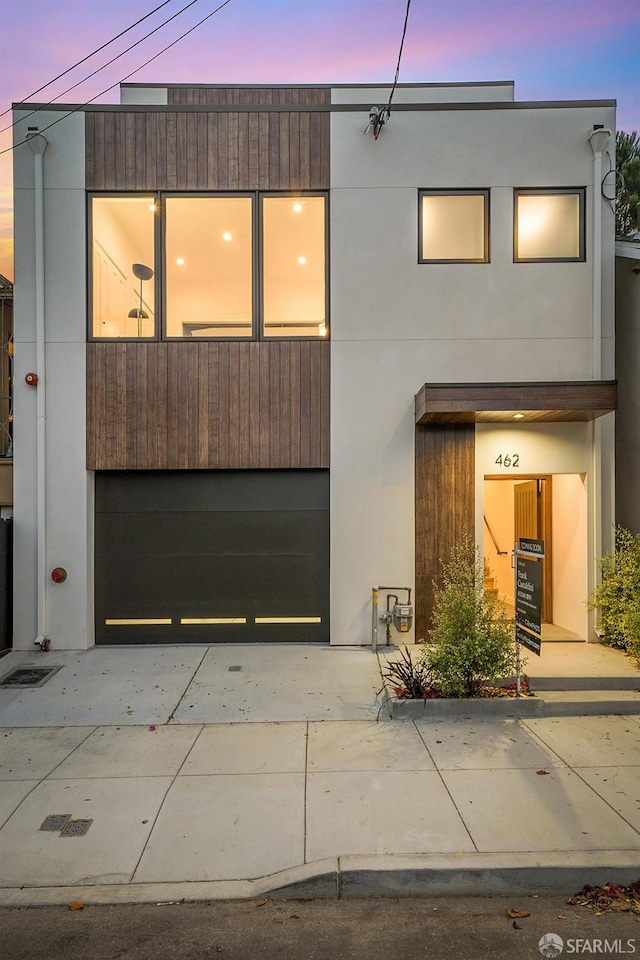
[258,96]
[445,505]
[200,405]
[201,150]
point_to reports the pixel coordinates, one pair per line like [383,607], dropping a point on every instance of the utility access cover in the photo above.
[76,828]
[28,676]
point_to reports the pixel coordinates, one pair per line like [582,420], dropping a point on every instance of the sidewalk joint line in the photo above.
[442,780]
[184,692]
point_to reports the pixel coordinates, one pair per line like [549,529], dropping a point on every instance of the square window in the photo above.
[549,225]
[454,226]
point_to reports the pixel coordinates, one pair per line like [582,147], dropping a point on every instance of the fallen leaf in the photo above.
[76,905]
[513,912]
[516,926]
[542,773]
[561,916]
[152,727]
[260,903]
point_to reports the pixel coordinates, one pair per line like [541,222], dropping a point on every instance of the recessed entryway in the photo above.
[553,508]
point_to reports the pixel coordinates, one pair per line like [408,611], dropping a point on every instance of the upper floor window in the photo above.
[453,226]
[226,266]
[549,224]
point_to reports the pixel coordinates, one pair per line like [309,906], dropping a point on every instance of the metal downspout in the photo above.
[38,145]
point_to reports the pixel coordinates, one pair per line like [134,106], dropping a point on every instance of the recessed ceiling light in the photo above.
[152,207]
[227,236]
[518,416]
[297,207]
[180,262]
[302,260]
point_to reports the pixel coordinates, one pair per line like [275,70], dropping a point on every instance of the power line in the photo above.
[89,55]
[395,80]
[118,82]
[108,63]
[378,118]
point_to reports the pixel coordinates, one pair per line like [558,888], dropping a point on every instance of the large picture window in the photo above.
[227,266]
[549,225]
[454,226]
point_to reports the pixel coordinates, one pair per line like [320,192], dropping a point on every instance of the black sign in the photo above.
[529,594]
[536,547]
[528,640]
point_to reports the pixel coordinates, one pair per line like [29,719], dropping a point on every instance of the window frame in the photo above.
[259,250]
[160,255]
[484,192]
[581,193]
[157,292]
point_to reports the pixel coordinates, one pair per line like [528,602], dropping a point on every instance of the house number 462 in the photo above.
[508,460]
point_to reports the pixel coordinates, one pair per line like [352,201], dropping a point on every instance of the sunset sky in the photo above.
[553,49]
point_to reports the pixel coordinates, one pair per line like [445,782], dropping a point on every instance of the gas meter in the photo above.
[402,617]
[398,614]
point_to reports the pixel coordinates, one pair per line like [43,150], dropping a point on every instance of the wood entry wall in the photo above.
[207,405]
[445,505]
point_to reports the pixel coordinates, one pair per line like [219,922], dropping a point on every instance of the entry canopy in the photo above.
[515,402]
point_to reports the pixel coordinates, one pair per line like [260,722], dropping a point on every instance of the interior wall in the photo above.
[570,552]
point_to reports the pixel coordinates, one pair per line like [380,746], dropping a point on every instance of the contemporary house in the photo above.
[271,352]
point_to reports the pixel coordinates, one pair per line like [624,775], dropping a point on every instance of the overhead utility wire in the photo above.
[384,115]
[89,55]
[108,63]
[133,72]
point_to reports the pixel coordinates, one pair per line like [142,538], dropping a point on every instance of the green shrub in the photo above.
[472,639]
[617,597]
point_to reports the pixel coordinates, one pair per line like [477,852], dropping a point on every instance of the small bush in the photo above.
[617,597]
[408,677]
[472,639]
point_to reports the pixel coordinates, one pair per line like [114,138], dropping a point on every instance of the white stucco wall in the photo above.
[396,324]
[69,510]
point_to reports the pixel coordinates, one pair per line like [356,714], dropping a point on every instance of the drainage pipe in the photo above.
[38,145]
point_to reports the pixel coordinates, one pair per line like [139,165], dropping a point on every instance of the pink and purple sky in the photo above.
[553,49]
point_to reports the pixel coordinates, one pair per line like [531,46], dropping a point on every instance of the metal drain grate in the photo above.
[28,676]
[235,669]
[55,822]
[76,828]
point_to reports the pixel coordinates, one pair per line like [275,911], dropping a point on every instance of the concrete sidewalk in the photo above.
[304,793]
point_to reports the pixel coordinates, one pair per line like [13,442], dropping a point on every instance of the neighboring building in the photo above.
[280,361]
[628,376]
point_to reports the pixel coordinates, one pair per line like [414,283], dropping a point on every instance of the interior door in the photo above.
[532,519]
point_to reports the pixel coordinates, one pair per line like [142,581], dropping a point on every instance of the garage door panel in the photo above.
[141,535]
[190,491]
[207,575]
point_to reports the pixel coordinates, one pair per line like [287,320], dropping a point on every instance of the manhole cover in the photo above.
[76,828]
[56,822]
[234,669]
[28,676]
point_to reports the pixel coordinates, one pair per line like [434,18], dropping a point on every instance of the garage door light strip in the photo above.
[288,620]
[190,620]
[138,622]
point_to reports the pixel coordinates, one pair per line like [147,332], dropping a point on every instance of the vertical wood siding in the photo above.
[445,505]
[203,150]
[253,96]
[207,405]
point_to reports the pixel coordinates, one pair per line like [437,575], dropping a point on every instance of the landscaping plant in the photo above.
[617,597]
[472,638]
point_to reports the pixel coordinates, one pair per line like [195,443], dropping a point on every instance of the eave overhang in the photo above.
[563,402]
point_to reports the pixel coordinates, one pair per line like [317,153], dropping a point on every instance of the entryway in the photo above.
[549,507]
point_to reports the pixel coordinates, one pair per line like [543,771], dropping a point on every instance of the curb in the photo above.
[417,875]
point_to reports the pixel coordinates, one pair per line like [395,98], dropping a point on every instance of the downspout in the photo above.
[598,140]
[38,145]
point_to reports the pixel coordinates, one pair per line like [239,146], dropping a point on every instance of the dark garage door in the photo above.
[205,557]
